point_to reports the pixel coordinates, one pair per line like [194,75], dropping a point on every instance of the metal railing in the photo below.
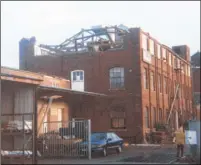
[65,139]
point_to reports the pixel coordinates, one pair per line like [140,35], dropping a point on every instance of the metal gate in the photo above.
[65,139]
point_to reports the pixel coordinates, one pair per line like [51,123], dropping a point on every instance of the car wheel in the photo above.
[104,152]
[119,149]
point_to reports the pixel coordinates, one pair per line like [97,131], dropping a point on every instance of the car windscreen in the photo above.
[98,136]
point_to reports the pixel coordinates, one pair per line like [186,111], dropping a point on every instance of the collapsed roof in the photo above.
[97,38]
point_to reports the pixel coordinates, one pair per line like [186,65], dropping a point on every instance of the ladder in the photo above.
[46,112]
[175,95]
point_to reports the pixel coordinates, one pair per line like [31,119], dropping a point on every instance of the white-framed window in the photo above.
[145,76]
[178,63]
[189,71]
[175,62]
[144,41]
[116,78]
[164,54]
[158,51]
[152,80]
[170,58]
[77,75]
[159,83]
[182,67]
[151,46]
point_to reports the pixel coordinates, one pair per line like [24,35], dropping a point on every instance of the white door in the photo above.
[59,118]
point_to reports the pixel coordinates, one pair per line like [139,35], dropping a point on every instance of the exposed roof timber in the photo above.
[103,31]
[51,48]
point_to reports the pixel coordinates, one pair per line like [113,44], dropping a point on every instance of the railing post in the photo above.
[89,139]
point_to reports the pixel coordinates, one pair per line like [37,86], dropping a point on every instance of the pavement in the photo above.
[130,155]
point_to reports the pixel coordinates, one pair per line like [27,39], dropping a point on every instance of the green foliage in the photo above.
[160,127]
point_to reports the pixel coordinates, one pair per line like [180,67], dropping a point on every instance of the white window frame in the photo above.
[144,42]
[113,78]
[189,71]
[164,56]
[170,58]
[158,51]
[77,71]
[151,46]
[145,78]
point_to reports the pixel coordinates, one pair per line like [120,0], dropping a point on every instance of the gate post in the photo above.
[89,139]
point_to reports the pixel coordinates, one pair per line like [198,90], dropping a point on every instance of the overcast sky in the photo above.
[51,22]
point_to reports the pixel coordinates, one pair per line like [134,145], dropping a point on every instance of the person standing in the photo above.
[179,139]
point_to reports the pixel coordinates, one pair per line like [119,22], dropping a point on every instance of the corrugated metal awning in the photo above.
[60,91]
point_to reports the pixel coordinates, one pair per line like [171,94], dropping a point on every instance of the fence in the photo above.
[195,149]
[65,139]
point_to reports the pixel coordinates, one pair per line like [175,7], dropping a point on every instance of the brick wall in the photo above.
[134,97]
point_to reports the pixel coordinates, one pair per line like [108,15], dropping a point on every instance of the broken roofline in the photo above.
[94,34]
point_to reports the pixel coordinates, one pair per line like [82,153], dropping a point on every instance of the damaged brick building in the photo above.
[195,60]
[147,78]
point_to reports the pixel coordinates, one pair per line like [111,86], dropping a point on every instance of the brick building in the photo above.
[131,65]
[195,60]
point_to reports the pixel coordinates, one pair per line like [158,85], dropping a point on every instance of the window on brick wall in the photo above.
[151,46]
[158,51]
[144,41]
[78,75]
[189,71]
[178,64]
[159,83]
[160,115]
[182,67]
[175,62]
[146,117]
[118,123]
[170,58]
[116,78]
[165,85]
[145,75]
[154,116]
[118,120]
[152,81]
[164,55]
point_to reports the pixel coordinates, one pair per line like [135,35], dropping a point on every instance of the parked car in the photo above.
[102,142]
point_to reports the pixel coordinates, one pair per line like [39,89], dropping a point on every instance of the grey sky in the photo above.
[51,22]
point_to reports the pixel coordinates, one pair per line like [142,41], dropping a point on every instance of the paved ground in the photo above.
[131,154]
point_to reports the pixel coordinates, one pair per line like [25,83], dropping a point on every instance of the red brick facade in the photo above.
[133,98]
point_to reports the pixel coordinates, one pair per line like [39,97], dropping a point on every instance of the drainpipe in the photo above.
[193,101]
[35,120]
[0,120]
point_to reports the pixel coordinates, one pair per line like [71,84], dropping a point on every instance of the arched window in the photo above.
[77,75]
[77,80]
[116,77]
